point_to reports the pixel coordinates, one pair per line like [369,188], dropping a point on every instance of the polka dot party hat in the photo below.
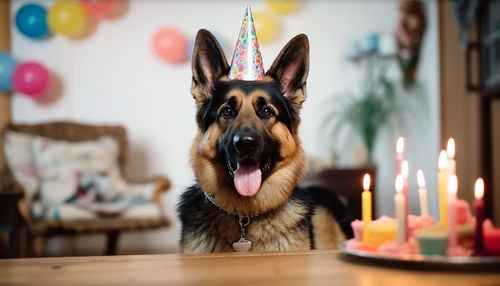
[247,60]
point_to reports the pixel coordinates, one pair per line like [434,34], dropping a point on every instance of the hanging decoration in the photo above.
[7,66]
[409,35]
[170,45]
[31,20]
[67,18]
[100,9]
[31,78]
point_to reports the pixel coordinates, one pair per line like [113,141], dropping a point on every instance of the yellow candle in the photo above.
[443,188]
[450,150]
[366,206]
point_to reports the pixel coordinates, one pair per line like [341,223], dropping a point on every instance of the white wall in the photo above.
[112,76]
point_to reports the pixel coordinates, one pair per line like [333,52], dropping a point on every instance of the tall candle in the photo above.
[400,145]
[422,194]
[452,210]
[442,188]
[404,173]
[450,150]
[366,206]
[399,204]
[479,209]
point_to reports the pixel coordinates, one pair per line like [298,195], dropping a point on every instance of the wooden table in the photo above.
[293,268]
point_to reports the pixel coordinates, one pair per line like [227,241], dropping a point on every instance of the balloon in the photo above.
[31,78]
[7,66]
[67,18]
[266,27]
[170,45]
[31,20]
[98,9]
[283,6]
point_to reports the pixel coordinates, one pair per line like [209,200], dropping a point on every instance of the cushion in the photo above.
[64,167]
[19,160]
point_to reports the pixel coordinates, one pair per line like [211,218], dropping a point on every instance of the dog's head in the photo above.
[247,155]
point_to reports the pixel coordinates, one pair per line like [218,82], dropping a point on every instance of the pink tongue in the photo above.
[247,180]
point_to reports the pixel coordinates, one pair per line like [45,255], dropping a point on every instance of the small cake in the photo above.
[381,230]
[491,238]
[432,240]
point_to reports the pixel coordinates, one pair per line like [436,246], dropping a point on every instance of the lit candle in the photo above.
[399,203]
[442,188]
[479,208]
[452,210]
[422,194]
[400,145]
[405,172]
[450,150]
[366,206]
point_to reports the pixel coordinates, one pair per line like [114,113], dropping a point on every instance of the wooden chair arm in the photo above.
[162,185]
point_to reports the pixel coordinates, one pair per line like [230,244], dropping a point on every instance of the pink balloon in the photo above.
[170,45]
[31,78]
[99,8]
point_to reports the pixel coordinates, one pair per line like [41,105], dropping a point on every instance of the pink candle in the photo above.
[400,145]
[479,208]
[452,211]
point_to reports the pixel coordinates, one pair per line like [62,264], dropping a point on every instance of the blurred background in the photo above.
[378,70]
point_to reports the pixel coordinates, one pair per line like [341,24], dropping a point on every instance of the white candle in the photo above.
[452,210]
[399,203]
[422,194]
[405,172]
[450,151]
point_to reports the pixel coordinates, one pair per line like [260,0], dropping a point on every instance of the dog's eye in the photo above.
[266,112]
[227,112]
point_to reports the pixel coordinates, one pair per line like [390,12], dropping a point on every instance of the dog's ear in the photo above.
[209,64]
[290,69]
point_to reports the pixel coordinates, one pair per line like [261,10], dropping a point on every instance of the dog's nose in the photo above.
[245,143]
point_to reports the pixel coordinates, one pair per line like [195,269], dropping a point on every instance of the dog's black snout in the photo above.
[245,143]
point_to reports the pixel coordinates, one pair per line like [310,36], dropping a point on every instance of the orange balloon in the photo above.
[170,45]
[98,9]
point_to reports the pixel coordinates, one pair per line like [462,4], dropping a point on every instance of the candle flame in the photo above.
[450,149]
[420,179]
[452,185]
[366,182]
[443,161]
[400,145]
[479,189]
[404,169]
[399,183]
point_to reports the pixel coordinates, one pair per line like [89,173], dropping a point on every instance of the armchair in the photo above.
[38,228]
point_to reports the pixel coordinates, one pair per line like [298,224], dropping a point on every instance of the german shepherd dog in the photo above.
[248,160]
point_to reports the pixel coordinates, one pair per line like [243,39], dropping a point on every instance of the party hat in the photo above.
[247,60]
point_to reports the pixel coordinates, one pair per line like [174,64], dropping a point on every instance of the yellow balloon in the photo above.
[266,27]
[283,6]
[67,18]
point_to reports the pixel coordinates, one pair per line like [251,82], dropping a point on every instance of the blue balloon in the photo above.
[7,66]
[191,40]
[31,20]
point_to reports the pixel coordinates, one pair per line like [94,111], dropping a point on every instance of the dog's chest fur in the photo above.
[206,228]
[299,224]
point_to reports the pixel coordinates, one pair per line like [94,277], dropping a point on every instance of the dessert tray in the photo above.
[432,262]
